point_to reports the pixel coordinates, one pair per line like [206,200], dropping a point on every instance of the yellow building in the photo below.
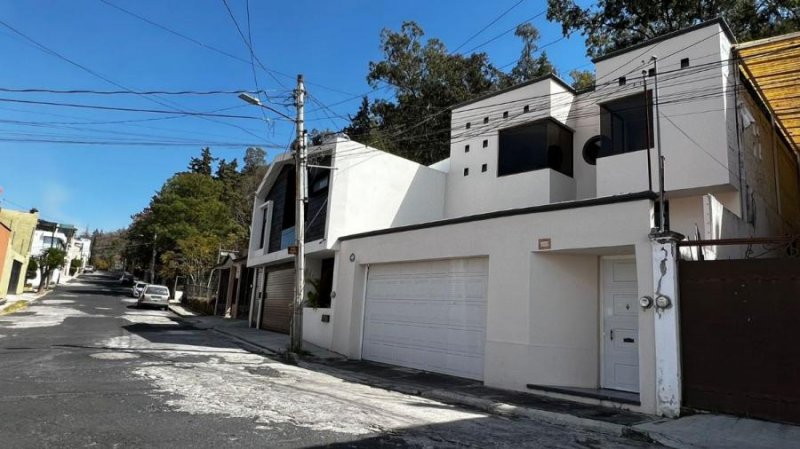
[15,262]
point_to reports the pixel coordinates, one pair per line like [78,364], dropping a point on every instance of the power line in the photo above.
[126,92]
[54,53]
[495,20]
[123,109]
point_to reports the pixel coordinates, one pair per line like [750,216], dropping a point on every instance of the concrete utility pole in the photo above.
[662,209]
[296,336]
[153,260]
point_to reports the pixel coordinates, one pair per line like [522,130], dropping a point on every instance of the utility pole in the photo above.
[296,336]
[662,208]
[153,260]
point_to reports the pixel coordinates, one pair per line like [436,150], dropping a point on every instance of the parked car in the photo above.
[137,288]
[88,269]
[154,295]
[127,280]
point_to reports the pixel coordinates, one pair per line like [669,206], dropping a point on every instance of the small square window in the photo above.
[505,114]
[486,120]
[622,80]
[466,148]
[485,143]
[484,167]
[466,172]
[468,125]
[526,108]
[651,72]
[684,63]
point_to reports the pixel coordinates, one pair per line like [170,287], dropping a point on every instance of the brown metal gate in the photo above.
[740,336]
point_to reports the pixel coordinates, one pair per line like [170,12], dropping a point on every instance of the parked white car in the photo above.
[154,295]
[137,288]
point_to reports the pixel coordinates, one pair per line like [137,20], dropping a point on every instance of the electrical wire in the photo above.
[495,20]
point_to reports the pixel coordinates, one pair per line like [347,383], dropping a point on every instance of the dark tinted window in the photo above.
[534,146]
[626,125]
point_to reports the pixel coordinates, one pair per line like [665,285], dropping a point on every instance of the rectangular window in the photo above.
[485,120]
[484,167]
[684,63]
[534,146]
[622,80]
[526,108]
[486,143]
[505,114]
[466,148]
[468,125]
[320,183]
[263,226]
[466,172]
[626,125]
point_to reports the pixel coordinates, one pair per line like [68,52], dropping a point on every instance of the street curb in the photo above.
[454,398]
[27,302]
[505,409]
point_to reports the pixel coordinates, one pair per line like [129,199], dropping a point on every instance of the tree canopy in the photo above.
[426,80]
[193,215]
[614,24]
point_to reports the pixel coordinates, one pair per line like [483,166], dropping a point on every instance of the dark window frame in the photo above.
[615,117]
[557,155]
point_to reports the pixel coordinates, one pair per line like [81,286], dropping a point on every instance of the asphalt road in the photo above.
[83,367]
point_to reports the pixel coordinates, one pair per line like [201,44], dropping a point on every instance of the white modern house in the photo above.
[530,258]
[363,189]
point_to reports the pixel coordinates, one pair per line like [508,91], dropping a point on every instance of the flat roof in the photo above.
[644,195]
[718,21]
[550,76]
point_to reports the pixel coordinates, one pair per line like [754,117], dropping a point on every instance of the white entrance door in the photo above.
[620,325]
[428,315]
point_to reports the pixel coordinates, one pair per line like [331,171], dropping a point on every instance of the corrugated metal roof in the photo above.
[773,67]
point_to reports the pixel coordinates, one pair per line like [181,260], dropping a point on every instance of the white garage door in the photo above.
[428,315]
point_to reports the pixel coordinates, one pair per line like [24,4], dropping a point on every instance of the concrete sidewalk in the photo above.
[16,302]
[271,342]
[690,432]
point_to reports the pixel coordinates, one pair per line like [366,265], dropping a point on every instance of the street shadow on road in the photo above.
[179,333]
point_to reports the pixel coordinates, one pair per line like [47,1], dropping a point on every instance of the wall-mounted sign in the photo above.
[544,244]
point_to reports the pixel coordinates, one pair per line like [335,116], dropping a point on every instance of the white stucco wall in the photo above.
[693,106]
[542,314]
[480,191]
[371,189]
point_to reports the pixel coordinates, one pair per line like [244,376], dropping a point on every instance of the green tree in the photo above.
[530,66]
[203,164]
[582,79]
[613,24]
[33,266]
[48,261]
[426,80]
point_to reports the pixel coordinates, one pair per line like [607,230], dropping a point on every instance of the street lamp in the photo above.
[296,328]
[250,99]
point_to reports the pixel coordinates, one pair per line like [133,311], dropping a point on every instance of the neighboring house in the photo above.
[365,189]
[78,252]
[234,292]
[14,264]
[524,265]
[49,234]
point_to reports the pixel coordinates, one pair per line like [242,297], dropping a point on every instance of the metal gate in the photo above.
[740,336]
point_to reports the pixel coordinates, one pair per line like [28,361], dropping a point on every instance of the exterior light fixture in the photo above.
[250,99]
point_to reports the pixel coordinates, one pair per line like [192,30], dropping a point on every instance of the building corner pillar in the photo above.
[667,322]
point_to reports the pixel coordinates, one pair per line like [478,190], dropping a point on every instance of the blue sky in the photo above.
[109,171]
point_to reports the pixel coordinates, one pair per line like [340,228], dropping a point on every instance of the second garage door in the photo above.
[428,315]
[279,292]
